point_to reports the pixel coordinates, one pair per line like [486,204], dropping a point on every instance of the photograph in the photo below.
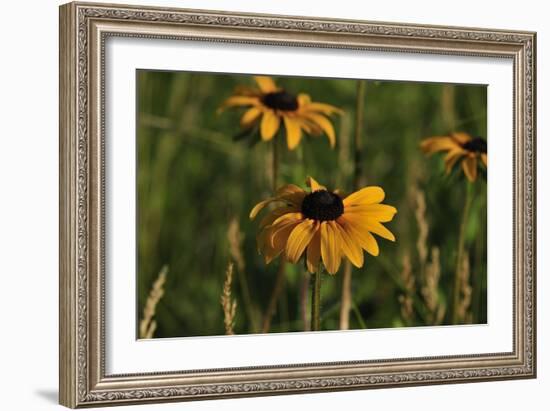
[278,204]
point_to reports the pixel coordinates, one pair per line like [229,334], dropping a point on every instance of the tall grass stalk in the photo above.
[148,324]
[448,109]
[423,228]
[229,305]
[465,292]
[460,253]
[430,289]
[406,300]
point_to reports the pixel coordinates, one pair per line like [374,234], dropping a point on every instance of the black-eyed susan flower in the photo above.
[459,146]
[269,106]
[323,225]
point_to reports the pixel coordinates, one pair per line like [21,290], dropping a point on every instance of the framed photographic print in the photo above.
[256,204]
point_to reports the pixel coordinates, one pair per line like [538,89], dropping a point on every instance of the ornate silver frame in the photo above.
[83,30]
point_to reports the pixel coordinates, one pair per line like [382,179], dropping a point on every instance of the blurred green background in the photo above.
[193,179]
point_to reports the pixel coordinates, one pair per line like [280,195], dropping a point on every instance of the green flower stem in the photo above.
[306,323]
[316,300]
[460,250]
[346,305]
[358,137]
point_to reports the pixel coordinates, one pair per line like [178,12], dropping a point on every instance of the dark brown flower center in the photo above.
[322,205]
[280,100]
[476,145]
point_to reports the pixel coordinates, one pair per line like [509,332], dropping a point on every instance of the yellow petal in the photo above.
[372,208]
[258,207]
[289,189]
[309,126]
[271,253]
[266,84]
[330,248]
[369,243]
[314,185]
[295,199]
[299,239]
[293,132]
[461,137]
[236,101]
[323,108]
[277,240]
[451,158]
[378,229]
[367,195]
[438,143]
[360,234]
[325,125]
[313,252]
[303,99]
[286,194]
[484,159]
[273,215]
[362,222]
[250,116]
[276,229]
[376,212]
[288,217]
[291,194]
[269,125]
[350,247]
[469,165]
